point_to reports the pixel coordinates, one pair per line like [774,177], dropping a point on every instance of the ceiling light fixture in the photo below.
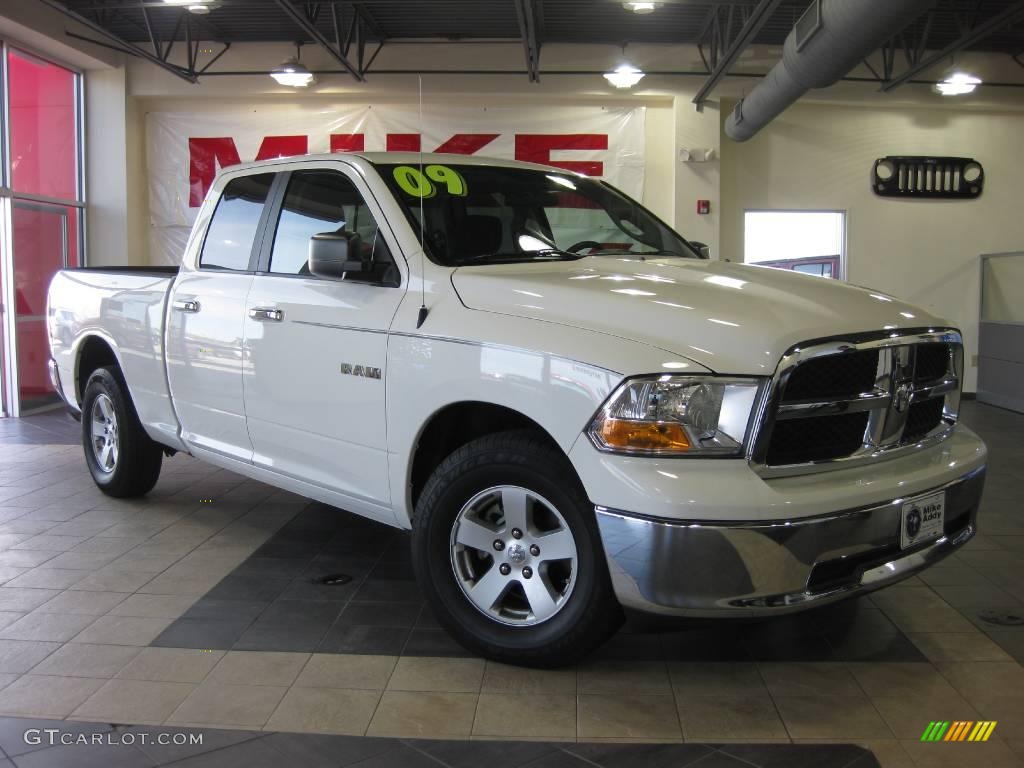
[641,8]
[957,84]
[292,73]
[198,7]
[624,76]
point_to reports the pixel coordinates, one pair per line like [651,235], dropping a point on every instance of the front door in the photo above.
[205,323]
[316,347]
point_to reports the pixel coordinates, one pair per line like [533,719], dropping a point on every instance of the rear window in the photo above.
[230,237]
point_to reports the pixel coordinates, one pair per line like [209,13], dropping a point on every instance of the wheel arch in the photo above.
[94,351]
[455,424]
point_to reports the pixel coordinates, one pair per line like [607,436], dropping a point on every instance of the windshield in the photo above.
[479,214]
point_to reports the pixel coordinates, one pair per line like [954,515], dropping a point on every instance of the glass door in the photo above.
[41,235]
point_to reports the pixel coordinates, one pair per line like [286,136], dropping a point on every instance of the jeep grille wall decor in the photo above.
[923,176]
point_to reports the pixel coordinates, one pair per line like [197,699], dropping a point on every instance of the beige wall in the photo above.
[926,251]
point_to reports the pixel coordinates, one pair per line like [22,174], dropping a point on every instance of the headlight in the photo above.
[677,416]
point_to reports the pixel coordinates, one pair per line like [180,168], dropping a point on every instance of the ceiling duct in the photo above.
[828,41]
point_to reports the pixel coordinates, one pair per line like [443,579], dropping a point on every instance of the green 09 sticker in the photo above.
[417,184]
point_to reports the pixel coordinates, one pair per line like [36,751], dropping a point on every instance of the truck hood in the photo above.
[729,318]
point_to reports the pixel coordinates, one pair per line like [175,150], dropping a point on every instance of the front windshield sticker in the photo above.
[417,184]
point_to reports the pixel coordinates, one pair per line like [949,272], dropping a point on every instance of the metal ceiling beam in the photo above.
[757,18]
[128,47]
[526,13]
[1008,16]
[302,22]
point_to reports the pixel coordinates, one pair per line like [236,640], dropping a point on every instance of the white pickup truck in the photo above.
[572,410]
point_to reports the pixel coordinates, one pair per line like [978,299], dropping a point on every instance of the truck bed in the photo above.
[125,308]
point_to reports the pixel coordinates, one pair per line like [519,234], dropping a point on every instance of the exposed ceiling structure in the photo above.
[353,32]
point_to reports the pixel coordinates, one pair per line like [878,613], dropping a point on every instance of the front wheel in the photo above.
[122,459]
[506,548]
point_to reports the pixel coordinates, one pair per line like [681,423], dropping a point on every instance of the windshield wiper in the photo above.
[642,254]
[545,254]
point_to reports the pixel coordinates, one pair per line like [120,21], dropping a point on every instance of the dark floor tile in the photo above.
[274,566]
[90,756]
[381,614]
[305,588]
[385,569]
[248,587]
[794,755]
[638,647]
[401,756]
[355,565]
[387,590]
[869,645]
[299,614]
[296,639]
[317,751]
[201,633]
[211,740]
[640,755]
[722,760]
[247,754]
[493,754]
[280,548]
[427,619]
[704,645]
[806,647]
[344,638]
[226,610]
[558,759]
[1010,640]
[433,642]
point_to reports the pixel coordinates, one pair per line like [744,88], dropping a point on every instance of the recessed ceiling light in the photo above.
[293,74]
[624,76]
[641,8]
[957,84]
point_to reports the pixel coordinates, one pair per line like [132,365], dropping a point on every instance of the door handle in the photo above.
[191,305]
[266,314]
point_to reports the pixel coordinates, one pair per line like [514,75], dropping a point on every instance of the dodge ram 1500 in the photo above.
[571,408]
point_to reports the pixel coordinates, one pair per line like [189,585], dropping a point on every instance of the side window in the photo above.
[326,202]
[229,238]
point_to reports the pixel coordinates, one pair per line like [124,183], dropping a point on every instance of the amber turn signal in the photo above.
[627,435]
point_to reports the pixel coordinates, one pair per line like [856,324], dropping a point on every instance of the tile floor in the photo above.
[198,607]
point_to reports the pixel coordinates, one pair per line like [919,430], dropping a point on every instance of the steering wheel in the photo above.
[583,244]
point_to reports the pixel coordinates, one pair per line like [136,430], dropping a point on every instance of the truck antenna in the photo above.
[423,223]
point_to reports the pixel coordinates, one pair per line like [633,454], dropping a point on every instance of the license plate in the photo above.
[922,519]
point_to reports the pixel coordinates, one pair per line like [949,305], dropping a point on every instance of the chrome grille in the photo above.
[859,400]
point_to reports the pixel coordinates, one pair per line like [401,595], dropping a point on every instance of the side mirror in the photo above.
[332,254]
[703,249]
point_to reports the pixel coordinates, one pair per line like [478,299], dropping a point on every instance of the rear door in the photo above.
[205,321]
[316,348]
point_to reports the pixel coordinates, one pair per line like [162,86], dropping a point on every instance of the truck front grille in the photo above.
[834,401]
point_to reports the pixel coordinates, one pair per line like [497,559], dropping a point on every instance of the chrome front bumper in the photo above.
[691,568]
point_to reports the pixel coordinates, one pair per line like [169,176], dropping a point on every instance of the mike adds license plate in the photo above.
[922,519]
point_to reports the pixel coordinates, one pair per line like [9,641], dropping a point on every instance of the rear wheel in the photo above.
[122,459]
[507,550]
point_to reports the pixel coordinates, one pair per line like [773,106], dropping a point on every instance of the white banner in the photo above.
[186,149]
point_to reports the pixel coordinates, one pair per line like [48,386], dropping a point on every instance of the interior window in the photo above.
[229,239]
[318,202]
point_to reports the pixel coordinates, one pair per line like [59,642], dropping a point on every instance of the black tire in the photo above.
[136,467]
[589,615]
